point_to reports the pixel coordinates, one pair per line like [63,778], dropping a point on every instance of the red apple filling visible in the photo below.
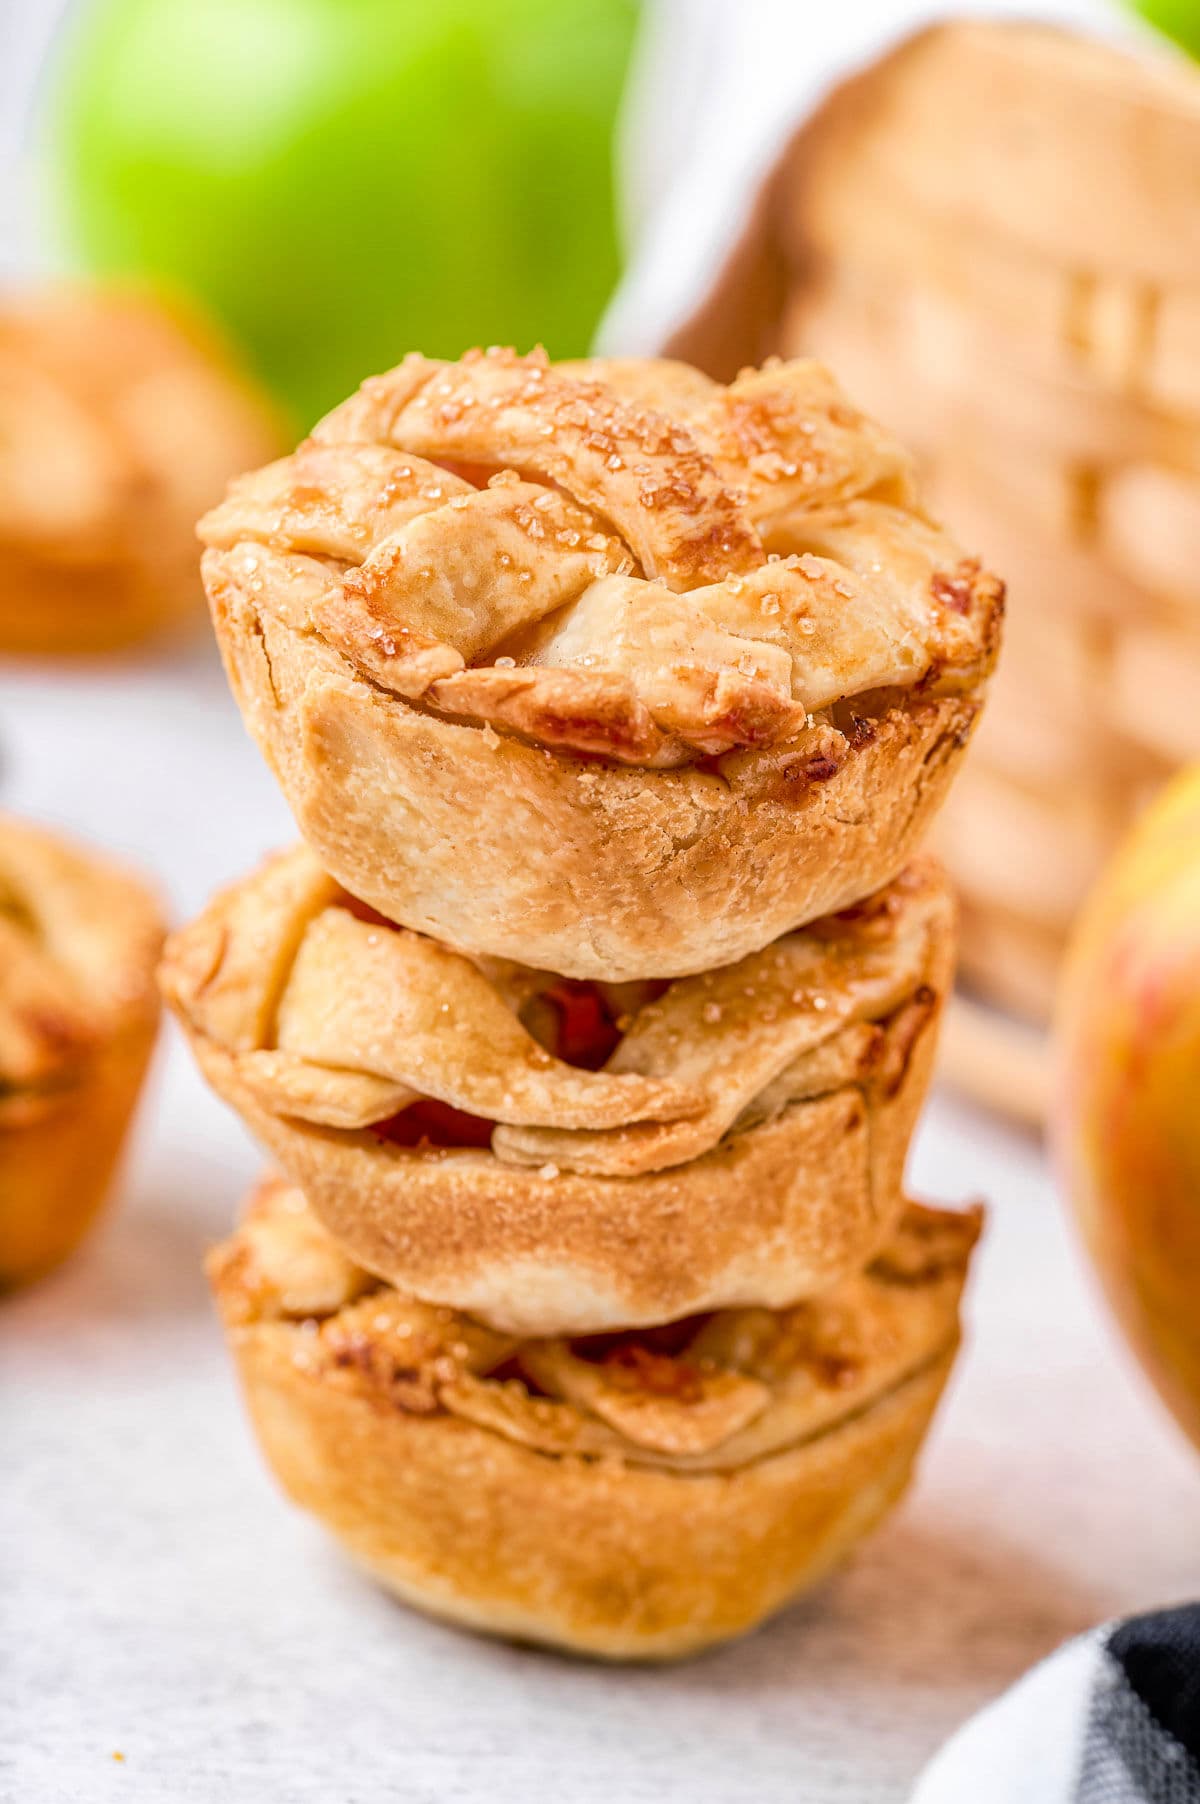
[572,1018]
[478,475]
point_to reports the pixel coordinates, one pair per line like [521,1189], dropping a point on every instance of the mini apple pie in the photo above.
[78,1014]
[633,1496]
[601,667]
[560,1156]
[119,422]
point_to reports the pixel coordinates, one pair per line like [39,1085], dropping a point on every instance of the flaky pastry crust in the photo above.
[601,666]
[741,1138]
[119,422]
[640,1496]
[79,939]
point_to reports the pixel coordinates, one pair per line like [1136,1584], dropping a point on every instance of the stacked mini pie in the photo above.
[590,1024]
[993,234]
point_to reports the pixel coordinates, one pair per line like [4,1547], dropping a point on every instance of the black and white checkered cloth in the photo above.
[1112,1718]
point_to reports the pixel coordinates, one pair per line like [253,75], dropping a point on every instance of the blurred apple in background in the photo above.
[1127,1108]
[341,181]
[1178,19]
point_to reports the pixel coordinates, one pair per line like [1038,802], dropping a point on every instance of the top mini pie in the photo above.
[601,667]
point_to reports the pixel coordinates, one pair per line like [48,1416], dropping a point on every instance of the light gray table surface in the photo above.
[159,1601]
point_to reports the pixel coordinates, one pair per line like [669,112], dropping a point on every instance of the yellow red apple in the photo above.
[1126,1111]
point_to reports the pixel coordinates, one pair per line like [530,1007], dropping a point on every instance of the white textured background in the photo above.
[158,1600]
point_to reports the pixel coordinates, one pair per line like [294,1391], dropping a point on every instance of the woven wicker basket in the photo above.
[994,237]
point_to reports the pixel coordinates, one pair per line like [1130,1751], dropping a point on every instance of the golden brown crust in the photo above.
[119,422]
[78,1015]
[681,637]
[641,1497]
[579,866]
[743,1140]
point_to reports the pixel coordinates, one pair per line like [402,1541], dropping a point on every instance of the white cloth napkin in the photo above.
[1111,1718]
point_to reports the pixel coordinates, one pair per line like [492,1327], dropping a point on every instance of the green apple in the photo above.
[1178,19]
[341,181]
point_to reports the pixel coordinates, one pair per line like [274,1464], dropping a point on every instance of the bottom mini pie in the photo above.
[632,1496]
[79,940]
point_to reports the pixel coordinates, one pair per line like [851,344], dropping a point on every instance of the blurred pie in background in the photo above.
[121,420]
[79,940]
